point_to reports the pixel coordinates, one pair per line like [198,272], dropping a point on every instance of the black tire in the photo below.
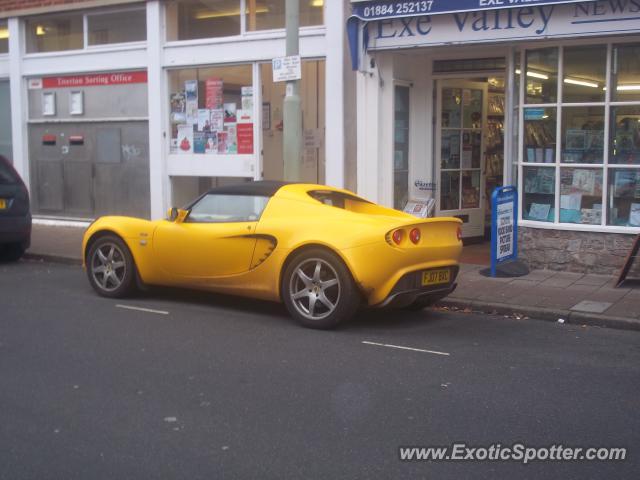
[298,294]
[11,252]
[113,254]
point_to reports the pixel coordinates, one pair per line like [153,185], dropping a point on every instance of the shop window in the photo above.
[193,19]
[626,73]
[270,14]
[211,110]
[541,72]
[4,37]
[54,33]
[117,27]
[401,147]
[582,134]
[607,193]
[624,197]
[584,74]
[539,135]
[539,193]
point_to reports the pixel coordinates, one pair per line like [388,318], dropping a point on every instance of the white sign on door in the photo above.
[286,68]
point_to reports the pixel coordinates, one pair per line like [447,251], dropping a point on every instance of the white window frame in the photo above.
[604,167]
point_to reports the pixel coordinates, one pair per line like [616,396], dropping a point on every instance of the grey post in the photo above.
[292,135]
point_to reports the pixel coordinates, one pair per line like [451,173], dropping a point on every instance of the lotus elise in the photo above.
[322,251]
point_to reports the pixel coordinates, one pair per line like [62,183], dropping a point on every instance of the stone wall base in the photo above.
[571,251]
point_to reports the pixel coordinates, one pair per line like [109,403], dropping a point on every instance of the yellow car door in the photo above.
[214,238]
[204,250]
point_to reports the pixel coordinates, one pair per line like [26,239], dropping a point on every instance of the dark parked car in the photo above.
[15,217]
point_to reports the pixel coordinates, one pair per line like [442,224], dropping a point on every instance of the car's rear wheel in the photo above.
[110,267]
[11,252]
[318,290]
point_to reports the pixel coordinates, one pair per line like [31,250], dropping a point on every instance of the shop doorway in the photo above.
[469,150]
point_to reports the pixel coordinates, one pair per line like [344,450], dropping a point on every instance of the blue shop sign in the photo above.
[504,226]
[378,9]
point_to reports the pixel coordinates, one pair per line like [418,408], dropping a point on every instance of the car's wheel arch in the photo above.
[312,246]
[112,233]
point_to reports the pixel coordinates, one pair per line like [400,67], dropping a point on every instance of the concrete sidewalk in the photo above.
[543,294]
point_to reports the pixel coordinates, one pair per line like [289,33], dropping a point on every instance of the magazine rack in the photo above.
[633,254]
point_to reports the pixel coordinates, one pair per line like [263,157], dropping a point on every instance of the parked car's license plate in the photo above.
[435,277]
[3,204]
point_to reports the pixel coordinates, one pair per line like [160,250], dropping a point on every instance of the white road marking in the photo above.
[405,348]
[140,309]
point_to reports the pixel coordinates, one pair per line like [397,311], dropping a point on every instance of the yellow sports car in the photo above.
[322,251]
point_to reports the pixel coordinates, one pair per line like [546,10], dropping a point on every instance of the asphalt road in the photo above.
[230,388]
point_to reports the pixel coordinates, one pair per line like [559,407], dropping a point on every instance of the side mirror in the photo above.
[177,215]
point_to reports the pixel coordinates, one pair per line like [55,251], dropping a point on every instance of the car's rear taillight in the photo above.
[397,236]
[459,234]
[414,235]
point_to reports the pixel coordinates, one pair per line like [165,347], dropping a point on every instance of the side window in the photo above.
[214,208]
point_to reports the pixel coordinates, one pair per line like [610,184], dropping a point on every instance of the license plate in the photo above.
[3,204]
[436,277]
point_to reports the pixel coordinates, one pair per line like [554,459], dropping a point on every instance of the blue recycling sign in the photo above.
[504,226]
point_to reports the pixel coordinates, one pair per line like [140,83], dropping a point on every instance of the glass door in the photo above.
[461,118]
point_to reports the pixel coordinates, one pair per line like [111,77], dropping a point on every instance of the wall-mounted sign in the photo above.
[504,226]
[34,83]
[286,68]
[537,20]
[376,9]
[95,80]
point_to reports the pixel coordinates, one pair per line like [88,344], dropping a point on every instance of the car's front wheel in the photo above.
[110,267]
[318,290]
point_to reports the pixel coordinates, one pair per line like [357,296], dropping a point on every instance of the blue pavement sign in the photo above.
[504,226]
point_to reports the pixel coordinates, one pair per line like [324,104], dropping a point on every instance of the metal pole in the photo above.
[292,113]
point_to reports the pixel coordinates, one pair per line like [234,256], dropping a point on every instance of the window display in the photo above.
[540,135]
[624,197]
[539,193]
[207,111]
[582,135]
[581,196]
[609,192]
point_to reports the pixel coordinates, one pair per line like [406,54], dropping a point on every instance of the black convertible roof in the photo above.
[263,188]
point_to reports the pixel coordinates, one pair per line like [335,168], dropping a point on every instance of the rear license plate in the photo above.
[3,204]
[436,277]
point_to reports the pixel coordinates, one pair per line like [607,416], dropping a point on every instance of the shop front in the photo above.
[460,97]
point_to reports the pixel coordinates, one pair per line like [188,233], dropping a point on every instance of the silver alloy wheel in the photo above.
[314,288]
[108,267]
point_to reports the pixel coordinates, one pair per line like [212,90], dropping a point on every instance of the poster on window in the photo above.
[230,113]
[191,101]
[204,120]
[213,93]
[217,120]
[231,130]
[185,138]
[244,132]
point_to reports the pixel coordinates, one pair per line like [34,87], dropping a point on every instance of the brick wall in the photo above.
[584,252]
